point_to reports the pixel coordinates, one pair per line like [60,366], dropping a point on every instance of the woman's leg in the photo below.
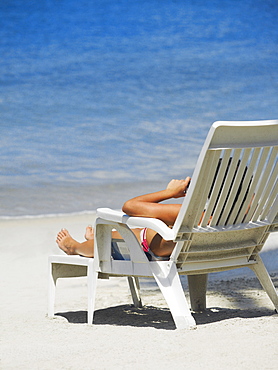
[158,245]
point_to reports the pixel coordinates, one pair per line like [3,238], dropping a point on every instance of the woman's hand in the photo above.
[178,187]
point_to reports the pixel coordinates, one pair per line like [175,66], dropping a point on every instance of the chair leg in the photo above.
[51,291]
[265,280]
[61,270]
[197,290]
[168,280]
[92,276]
[135,291]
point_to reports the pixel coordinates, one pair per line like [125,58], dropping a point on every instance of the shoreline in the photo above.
[47,215]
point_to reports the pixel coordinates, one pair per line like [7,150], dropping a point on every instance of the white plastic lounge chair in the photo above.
[230,208]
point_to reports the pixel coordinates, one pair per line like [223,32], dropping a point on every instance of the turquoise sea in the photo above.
[103,100]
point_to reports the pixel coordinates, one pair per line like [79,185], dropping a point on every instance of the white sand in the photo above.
[239,330]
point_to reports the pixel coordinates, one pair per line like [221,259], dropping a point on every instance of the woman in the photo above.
[147,205]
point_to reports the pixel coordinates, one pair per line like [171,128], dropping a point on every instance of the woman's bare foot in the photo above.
[66,242]
[89,235]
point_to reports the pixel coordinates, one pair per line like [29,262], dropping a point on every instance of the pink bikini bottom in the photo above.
[146,248]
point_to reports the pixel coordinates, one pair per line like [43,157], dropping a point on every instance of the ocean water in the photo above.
[103,100]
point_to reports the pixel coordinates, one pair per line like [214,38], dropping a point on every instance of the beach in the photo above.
[102,101]
[238,330]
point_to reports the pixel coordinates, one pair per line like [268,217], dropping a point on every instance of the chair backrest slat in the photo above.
[216,183]
[246,191]
[270,200]
[223,209]
[239,189]
[256,184]
[208,181]
[267,182]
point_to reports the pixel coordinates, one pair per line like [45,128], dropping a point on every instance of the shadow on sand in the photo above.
[158,318]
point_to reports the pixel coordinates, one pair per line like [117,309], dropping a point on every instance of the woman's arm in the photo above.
[149,205]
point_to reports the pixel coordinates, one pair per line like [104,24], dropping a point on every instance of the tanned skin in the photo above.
[148,205]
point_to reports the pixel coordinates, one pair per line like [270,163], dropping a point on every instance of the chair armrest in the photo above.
[118,216]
